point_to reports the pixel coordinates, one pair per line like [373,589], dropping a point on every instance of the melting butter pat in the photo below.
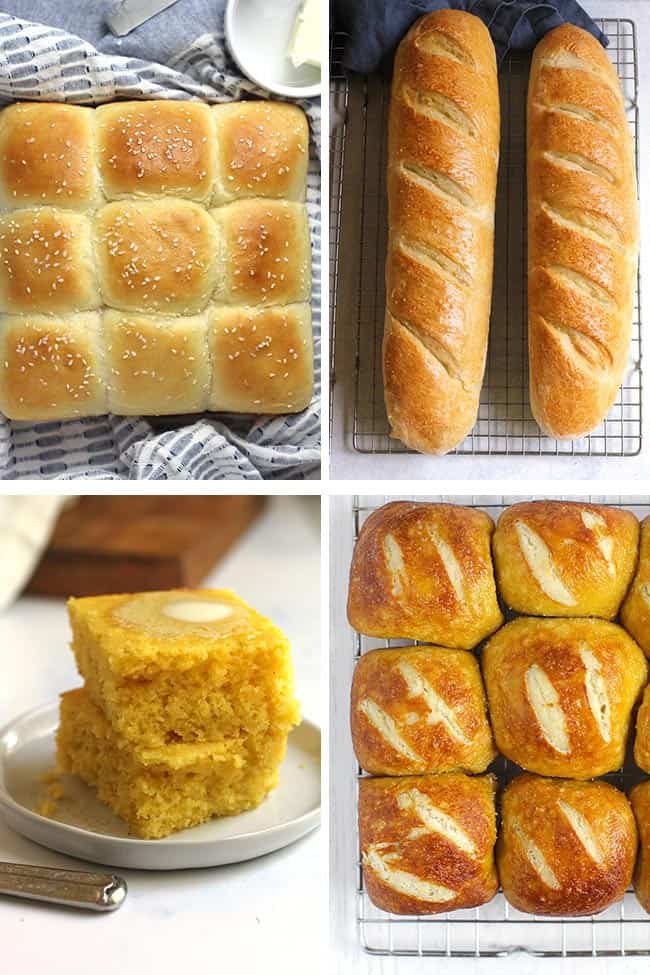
[305,44]
[197,611]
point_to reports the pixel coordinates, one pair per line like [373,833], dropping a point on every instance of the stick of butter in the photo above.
[305,44]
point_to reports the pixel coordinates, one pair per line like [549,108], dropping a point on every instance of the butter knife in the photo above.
[72,888]
[132,13]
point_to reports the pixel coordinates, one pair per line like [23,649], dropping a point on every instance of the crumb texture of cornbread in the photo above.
[158,791]
[184,666]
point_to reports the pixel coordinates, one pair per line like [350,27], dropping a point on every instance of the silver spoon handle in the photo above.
[73,888]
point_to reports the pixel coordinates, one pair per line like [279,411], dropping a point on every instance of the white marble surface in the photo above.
[347,955]
[240,918]
[346,464]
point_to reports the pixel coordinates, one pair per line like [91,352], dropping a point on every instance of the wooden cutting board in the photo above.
[129,544]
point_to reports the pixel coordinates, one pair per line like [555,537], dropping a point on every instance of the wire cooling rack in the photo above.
[497,929]
[505,424]
[339,92]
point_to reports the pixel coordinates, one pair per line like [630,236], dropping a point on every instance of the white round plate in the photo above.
[86,828]
[258,33]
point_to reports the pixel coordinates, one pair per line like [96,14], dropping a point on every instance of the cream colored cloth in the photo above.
[26,525]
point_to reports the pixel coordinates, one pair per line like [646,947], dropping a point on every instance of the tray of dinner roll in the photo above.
[500,716]
[154,259]
[505,424]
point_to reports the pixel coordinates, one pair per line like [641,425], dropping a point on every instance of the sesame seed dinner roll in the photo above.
[156,148]
[47,157]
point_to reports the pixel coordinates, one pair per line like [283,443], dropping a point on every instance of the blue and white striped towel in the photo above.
[39,62]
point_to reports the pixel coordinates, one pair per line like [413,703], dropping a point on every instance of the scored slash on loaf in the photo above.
[154,258]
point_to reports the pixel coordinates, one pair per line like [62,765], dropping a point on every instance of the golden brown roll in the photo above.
[583,233]
[561,694]
[423,571]
[156,256]
[635,612]
[427,842]
[266,253]
[46,262]
[420,709]
[156,148]
[263,150]
[47,157]
[640,799]
[642,738]
[262,358]
[565,558]
[51,367]
[443,153]
[565,848]
[156,364]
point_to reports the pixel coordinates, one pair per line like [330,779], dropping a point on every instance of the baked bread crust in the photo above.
[564,558]
[46,262]
[640,799]
[261,358]
[561,694]
[108,219]
[582,233]
[635,612]
[442,163]
[47,157]
[642,738]
[427,842]
[423,571]
[156,363]
[52,367]
[157,148]
[420,709]
[265,253]
[565,848]
[263,150]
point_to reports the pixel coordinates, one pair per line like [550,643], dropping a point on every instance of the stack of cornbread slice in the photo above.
[186,709]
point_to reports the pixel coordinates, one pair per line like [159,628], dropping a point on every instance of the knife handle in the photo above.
[133,13]
[73,888]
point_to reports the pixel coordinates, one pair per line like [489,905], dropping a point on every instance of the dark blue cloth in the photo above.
[376,27]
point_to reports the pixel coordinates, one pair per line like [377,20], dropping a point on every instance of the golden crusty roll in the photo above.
[265,253]
[642,738]
[51,367]
[640,799]
[442,165]
[47,157]
[561,694]
[262,150]
[427,842]
[582,233]
[423,571]
[156,148]
[635,612]
[156,364]
[420,709]
[156,256]
[565,848]
[262,358]
[565,558]
[46,262]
